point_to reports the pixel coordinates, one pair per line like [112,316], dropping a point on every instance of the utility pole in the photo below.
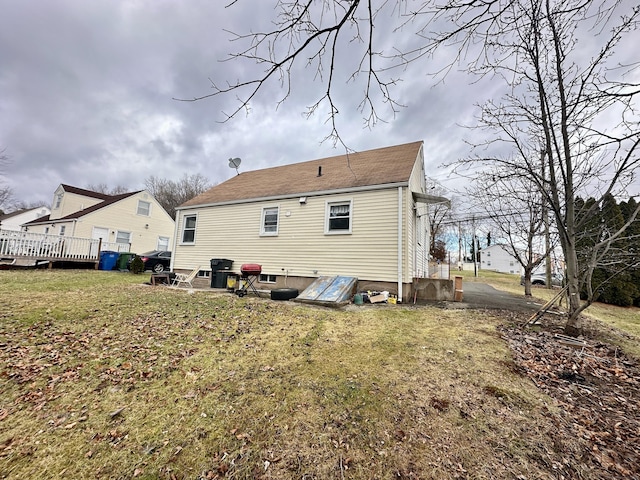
[474,247]
[460,260]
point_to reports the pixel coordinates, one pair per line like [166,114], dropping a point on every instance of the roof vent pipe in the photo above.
[320,170]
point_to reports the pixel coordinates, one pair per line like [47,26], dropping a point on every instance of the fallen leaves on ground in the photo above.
[598,389]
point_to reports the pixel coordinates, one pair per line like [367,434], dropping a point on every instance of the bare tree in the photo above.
[514,208]
[170,194]
[312,34]
[6,193]
[104,188]
[563,99]
[439,213]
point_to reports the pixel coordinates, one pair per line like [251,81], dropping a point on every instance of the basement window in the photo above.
[267,278]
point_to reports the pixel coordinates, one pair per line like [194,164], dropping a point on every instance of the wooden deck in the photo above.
[31,249]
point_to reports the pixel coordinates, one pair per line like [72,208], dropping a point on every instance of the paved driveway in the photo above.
[482,296]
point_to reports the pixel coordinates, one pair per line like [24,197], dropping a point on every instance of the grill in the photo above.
[250,272]
[250,269]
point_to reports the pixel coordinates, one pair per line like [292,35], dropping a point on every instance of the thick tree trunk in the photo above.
[573,327]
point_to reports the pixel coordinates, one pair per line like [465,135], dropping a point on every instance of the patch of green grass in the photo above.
[624,323]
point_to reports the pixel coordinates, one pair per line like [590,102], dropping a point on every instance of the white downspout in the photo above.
[176,234]
[400,243]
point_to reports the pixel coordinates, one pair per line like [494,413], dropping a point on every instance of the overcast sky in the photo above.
[87,94]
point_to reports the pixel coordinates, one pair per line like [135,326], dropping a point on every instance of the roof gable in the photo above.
[381,166]
[109,200]
[85,193]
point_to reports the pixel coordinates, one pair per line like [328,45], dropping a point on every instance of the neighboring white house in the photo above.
[498,259]
[361,215]
[14,221]
[135,221]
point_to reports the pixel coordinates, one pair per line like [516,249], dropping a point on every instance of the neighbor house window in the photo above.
[58,200]
[338,217]
[163,243]
[62,229]
[123,237]
[488,254]
[269,221]
[189,229]
[144,208]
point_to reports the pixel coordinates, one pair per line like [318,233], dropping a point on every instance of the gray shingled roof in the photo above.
[381,166]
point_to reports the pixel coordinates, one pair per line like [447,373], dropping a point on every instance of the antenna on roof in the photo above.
[235,163]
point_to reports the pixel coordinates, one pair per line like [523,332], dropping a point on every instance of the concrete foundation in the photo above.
[433,289]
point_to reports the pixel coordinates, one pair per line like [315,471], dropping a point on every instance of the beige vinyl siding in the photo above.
[54,228]
[408,235]
[301,247]
[123,216]
[71,203]
[417,243]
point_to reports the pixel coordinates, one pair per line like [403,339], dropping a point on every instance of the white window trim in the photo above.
[138,208]
[328,206]
[267,280]
[163,246]
[118,232]
[262,231]
[184,222]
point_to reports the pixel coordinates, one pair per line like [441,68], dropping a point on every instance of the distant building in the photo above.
[498,259]
[14,221]
[135,220]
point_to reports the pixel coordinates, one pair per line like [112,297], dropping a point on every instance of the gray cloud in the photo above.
[87,88]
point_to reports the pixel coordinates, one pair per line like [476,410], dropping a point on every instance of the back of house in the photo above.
[360,214]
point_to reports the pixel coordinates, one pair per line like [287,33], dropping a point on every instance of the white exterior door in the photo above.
[96,234]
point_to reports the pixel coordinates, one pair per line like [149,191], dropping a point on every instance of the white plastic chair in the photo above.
[185,277]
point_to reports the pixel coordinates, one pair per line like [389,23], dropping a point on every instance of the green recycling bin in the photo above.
[123,260]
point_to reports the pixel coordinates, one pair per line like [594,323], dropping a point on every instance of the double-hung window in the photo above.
[163,243]
[123,237]
[338,217]
[189,229]
[269,221]
[144,208]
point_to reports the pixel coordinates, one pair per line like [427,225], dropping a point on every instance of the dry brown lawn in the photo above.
[102,376]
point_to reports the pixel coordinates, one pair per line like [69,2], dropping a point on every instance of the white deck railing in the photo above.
[54,247]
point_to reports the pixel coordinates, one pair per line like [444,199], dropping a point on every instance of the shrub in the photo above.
[137,265]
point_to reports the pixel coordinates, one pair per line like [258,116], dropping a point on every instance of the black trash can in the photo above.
[219,271]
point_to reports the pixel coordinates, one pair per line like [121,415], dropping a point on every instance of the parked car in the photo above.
[156,260]
[541,279]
